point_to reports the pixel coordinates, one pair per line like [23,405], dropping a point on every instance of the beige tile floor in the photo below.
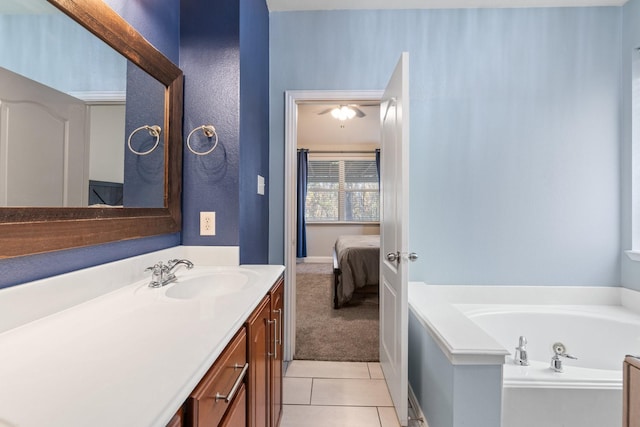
[336,394]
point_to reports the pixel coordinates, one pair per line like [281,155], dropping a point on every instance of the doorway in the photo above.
[292,101]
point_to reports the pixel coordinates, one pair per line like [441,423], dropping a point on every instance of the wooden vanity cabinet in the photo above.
[178,419]
[265,337]
[220,399]
[631,392]
[250,368]
[277,311]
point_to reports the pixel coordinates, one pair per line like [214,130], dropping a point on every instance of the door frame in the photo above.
[292,99]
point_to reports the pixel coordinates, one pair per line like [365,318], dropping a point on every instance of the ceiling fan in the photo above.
[346,111]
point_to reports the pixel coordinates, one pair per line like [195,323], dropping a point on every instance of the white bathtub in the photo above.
[597,325]
[588,391]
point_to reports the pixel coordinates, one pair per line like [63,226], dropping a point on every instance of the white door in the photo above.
[43,158]
[394,179]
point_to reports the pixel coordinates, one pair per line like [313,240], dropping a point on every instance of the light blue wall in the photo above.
[50,49]
[630,41]
[514,132]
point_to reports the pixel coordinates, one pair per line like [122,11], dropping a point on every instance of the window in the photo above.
[342,190]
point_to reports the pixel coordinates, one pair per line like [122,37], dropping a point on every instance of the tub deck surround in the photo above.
[464,342]
[132,354]
[459,332]
[461,340]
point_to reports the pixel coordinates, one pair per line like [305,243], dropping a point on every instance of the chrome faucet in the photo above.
[520,357]
[162,274]
[560,351]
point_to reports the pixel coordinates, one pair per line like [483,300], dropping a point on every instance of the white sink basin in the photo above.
[210,284]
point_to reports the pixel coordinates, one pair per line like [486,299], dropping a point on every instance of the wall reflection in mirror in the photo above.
[68,103]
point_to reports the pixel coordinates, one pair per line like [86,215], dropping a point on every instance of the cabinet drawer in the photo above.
[237,415]
[208,402]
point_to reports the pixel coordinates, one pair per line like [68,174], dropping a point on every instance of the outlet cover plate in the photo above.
[207,223]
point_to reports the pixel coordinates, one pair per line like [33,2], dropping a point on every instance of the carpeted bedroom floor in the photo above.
[349,333]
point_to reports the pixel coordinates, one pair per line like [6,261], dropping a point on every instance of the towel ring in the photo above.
[154,131]
[209,131]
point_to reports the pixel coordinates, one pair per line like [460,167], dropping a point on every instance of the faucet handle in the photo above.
[156,268]
[520,356]
[522,342]
[561,351]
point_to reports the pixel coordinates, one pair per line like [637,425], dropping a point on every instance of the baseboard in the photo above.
[418,415]
[317,260]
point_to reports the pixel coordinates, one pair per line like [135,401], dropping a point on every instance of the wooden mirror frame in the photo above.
[25,231]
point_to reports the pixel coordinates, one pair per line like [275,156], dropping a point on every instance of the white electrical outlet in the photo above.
[207,223]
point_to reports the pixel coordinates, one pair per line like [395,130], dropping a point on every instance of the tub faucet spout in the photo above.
[520,357]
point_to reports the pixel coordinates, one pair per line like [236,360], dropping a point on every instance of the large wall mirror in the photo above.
[111,183]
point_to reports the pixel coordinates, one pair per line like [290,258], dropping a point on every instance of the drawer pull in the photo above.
[229,397]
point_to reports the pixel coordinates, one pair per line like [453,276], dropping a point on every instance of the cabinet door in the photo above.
[277,313]
[631,392]
[259,328]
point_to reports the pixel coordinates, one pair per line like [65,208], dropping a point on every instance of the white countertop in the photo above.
[128,357]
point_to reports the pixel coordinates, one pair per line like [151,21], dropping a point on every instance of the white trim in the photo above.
[317,260]
[417,410]
[292,99]
[633,255]
[93,97]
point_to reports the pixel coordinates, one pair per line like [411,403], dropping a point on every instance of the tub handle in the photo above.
[560,351]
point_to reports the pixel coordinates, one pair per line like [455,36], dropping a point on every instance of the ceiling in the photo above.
[322,131]
[291,5]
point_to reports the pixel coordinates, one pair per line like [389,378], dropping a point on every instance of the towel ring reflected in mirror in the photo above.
[154,131]
[210,132]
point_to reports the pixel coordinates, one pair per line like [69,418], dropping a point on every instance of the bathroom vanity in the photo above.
[99,347]
[244,385]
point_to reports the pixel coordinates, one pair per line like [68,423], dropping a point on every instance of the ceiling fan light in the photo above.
[349,112]
[343,113]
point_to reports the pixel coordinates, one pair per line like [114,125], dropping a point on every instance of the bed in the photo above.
[356,264]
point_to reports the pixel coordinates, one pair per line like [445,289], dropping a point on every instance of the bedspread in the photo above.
[359,263]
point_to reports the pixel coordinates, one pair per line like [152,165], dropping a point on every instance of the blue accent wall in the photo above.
[224,56]
[210,60]
[143,174]
[515,130]
[254,131]
[158,22]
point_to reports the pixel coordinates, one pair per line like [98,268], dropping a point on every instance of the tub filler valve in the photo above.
[520,357]
[560,351]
